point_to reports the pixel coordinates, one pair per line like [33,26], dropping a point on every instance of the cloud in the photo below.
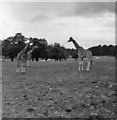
[41,11]
[89,9]
[47,11]
[57,21]
[38,17]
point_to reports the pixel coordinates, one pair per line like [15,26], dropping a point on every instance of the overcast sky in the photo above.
[89,23]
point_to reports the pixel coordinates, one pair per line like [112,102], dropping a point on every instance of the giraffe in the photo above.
[21,59]
[29,54]
[82,53]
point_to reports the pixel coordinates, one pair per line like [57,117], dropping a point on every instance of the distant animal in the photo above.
[82,53]
[21,59]
[29,55]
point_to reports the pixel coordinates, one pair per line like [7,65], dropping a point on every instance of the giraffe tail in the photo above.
[91,62]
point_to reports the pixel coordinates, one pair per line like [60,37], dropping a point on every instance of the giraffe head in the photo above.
[70,39]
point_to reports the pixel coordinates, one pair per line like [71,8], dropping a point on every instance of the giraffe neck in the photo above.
[24,51]
[32,50]
[77,46]
[25,48]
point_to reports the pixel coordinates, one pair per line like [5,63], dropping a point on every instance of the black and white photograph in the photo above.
[57,59]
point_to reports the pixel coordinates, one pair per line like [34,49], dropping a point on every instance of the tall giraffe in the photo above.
[29,54]
[82,53]
[21,59]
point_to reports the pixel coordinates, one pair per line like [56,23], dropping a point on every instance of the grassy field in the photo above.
[57,89]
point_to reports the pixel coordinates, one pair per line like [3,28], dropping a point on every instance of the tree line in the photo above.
[12,45]
[104,50]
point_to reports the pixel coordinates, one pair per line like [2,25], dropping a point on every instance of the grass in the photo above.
[57,89]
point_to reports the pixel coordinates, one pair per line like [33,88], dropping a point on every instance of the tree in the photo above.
[111,50]
[57,52]
[72,53]
[40,52]
[116,51]
[19,38]
[5,44]
[96,50]
[13,45]
[11,52]
[103,50]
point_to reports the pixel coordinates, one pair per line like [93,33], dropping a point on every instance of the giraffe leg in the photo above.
[24,67]
[24,70]
[28,62]
[88,66]
[91,62]
[18,68]
[82,65]
[79,66]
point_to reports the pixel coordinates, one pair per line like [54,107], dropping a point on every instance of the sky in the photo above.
[89,23]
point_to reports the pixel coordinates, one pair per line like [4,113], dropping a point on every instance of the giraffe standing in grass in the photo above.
[21,59]
[29,55]
[82,53]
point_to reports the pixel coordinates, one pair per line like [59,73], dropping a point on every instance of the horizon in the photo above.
[89,23]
